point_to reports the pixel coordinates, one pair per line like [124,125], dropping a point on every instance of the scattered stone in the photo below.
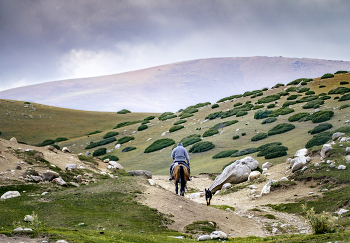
[71,167]
[325,149]
[204,237]
[227,185]
[106,161]
[79,178]
[10,194]
[118,146]
[61,241]
[345,139]
[44,193]
[341,167]
[59,181]
[347,159]
[87,153]
[151,182]
[274,230]
[347,149]
[36,178]
[74,184]
[13,140]
[218,235]
[284,179]
[298,163]
[18,167]
[332,165]
[342,211]
[317,165]
[308,159]
[252,187]
[254,175]
[115,165]
[266,188]
[143,173]
[49,175]
[304,168]
[65,150]
[50,148]
[267,165]
[310,193]
[301,152]
[28,218]
[18,229]
[337,135]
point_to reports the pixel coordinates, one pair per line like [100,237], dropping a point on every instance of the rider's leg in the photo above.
[171,172]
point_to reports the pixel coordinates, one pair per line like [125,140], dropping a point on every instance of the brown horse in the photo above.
[180,175]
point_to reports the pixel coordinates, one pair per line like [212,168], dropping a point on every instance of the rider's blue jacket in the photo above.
[180,153]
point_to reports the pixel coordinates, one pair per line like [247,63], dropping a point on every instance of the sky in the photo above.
[51,40]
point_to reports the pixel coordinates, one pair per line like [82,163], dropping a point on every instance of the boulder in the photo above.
[49,175]
[71,167]
[325,149]
[105,160]
[36,178]
[79,178]
[50,148]
[151,182]
[59,181]
[266,165]
[143,173]
[117,146]
[345,139]
[337,135]
[13,140]
[266,188]
[226,186]
[341,167]
[254,175]
[347,159]
[235,173]
[10,194]
[28,218]
[342,211]
[218,235]
[284,179]
[115,165]
[204,237]
[298,163]
[87,153]
[301,152]
[65,150]
[347,149]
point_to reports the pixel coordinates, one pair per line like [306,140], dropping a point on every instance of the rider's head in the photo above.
[179,144]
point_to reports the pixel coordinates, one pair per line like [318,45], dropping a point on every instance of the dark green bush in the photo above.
[185,115]
[47,142]
[179,122]
[210,132]
[166,115]
[257,107]
[319,139]
[124,124]
[124,111]
[194,138]
[127,149]
[125,139]
[339,90]
[302,90]
[149,118]
[265,89]
[322,86]
[269,99]
[344,82]
[241,113]
[262,114]
[322,116]
[283,93]
[243,134]
[60,139]
[269,120]
[281,128]
[159,144]
[100,143]
[225,154]
[56,146]
[201,147]
[244,152]
[265,146]
[214,115]
[270,106]
[345,97]
[288,103]
[298,116]
[99,152]
[27,103]
[214,106]
[343,106]
[238,104]
[322,94]
[336,98]
[326,97]
[259,136]
[255,92]
[275,154]
[230,98]
[142,127]
[307,98]
[297,81]
[303,83]
[320,128]
[189,110]
[338,72]
[110,134]
[0,132]
[281,111]
[271,149]
[248,102]
[110,157]
[277,85]
[235,137]
[313,104]
[327,75]
[232,112]
[292,97]
[175,128]
[225,124]
[94,132]
[310,92]
[292,89]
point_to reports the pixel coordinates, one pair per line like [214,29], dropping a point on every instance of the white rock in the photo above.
[342,211]
[59,181]
[317,165]
[341,167]
[308,159]
[252,187]
[304,168]
[44,193]
[347,149]
[254,175]
[289,160]
[74,184]
[105,160]
[65,150]
[347,159]
[332,165]
[267,165]
[301,152]
[28,218]
[325,149]
[284,179]
[204,237]
[151,182]
[337,135]
[18,229]
[10,194]
[266,188]
[226,185]
[274,230]
[115,165]
[218,235]
[13,140]
[61,241]
[344,140]
[71,167]
[298,163]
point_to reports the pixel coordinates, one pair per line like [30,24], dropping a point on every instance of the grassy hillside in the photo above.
[76,124]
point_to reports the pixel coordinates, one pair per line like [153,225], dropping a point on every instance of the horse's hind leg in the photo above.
[176,188]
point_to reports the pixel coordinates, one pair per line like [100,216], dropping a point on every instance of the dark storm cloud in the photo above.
[35,35]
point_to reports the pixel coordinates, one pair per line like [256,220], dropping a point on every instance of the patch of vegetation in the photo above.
[269,99]
[142,127]
[288,103]
[262,114]
[270,106]
[259,136]
[270,216]
[343,106]
[191,139]
[223,207]
[292,97]
[110,157]
[99,152]
[292,89]
[175,128]
[110,134]
[127,149]
[281,128]
[277,85]
[241,113]
[265,146]
[86,158]
[225,154]
[273,151]
[238,104]
[339,90]
[327,75]
[235,137]
[339,72]
[214,106]
[225,124]
[243,134]
[201,227]
[125,139]
[47,142]
[232,112]
[166,115]
[269,120]
[283,93]
[310,92]
[180,122]
[322,116]
[124,111]
[319,139]
[230,98]
[299,80]
[124,124]
[322,86]
[325,97]
[210,132]
[307,98]
[298,116]
[344,82]
[149,118]
[302,90]
[344,97]
[320,128]
[101,143]
[94,132]
[281,111]
[313,104]
[201,147]
[60,139]
[257,107]
[185,115]
[159,144]
[244,152]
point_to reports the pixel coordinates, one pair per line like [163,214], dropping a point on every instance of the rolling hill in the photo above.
[173,86]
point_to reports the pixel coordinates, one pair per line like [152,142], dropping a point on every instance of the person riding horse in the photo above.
[179,155]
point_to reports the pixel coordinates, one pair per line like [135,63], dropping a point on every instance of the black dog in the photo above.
[208,196]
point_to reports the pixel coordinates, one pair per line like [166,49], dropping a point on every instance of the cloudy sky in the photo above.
[49,40]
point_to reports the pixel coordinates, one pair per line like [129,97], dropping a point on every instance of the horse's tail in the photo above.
[182,178]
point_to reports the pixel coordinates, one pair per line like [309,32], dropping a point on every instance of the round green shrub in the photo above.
[339,90]
[265,89]
[225,124]
[225,154]
[0,132]
[322,116]
[100,143]
[338,72]
[298,116]
[235,137]
[284,93]
[99,152]
[320,128]
[142,127]
[265,146]
[322,86]
[291,89]
[270,106]
[124,111]
[110,157]
[259,136]
[210,132]
[60,139]
[269,120]
[201,147]
[269,99]
[125,139]
[281,128]
[149,118]
[238,104]
[292,97]
[340,107]
[345,97]
[336,98]
[179,122]
[288,103]
[244,152]
[281,111]
[344,82]
[327,75]
[319,139]
[94,132]
[272,149]
[302,90]
[110,134]
[325,97]
[166,116]
[191,139]
[313,104]
[47,142]
[243,134]
[277,85]
[309,92]
[257,107]
[241,113]
[214,106]
[185,115]
[159,144]
[322,94]
[127,149]
[262,114]
[275,155]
